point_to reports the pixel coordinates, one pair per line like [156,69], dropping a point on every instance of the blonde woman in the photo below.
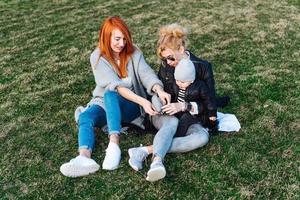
[171,49]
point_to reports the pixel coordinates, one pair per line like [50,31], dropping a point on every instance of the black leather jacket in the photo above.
[204,73]
[197,92]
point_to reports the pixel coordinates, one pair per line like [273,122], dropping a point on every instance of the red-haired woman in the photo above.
[123,79]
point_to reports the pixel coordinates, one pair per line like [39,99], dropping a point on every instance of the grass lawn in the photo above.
[45,74]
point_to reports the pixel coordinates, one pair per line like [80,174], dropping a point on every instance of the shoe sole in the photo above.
[76,171]
[156,174]
[130,163]
[110,169]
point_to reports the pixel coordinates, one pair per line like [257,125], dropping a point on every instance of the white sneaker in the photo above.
[157,171]
[79,166]
[112,157]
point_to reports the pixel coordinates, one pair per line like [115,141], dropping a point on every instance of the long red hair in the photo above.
[104,44]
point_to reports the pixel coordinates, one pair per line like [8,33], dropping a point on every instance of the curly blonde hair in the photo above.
[172,36]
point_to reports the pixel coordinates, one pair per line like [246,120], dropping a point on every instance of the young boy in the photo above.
[188,92]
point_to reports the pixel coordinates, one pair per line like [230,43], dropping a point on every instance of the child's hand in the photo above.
[212,118]
[213,125]
[173,108]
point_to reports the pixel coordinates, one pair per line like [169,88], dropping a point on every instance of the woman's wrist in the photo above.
[143,101]
[157,89]
[139,100]
[183,106]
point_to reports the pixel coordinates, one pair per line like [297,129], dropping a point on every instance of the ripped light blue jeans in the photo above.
[118,110]
[163,143]
[166,126]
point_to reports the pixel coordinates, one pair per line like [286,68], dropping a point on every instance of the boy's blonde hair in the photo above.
[171,36]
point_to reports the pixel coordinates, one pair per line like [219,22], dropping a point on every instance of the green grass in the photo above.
[45,74]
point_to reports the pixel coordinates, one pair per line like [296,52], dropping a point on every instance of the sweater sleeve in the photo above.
[147,75]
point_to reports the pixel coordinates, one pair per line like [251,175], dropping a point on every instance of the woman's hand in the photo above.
[173,108]
[131,96]
[212,118]
[164,97]
[148,107]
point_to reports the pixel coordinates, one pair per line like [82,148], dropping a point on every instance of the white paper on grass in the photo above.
[228,122]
